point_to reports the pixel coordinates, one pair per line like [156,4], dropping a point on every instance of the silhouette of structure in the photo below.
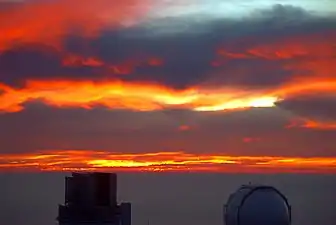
[91,198]
[257,205]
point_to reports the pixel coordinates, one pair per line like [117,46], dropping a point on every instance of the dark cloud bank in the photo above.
[43,128]
[187,55]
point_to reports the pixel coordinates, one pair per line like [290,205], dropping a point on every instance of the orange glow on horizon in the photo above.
[161,161]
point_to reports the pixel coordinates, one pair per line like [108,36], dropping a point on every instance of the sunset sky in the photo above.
[168,85]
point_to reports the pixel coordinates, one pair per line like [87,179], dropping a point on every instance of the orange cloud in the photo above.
[312,124]
[73,60]
[312,46]
[311,60]
[161,161]
[251,139]
[320,125]
[85,94]
[310,57]
[48,22]
[301,85]
[127,95]
[150,96]
[299,54]
[184,128]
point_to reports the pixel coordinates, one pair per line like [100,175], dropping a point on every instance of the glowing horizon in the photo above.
[86,160]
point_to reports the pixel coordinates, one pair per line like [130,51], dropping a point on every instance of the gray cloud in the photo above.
[187,55]
[316,106]
[43,128]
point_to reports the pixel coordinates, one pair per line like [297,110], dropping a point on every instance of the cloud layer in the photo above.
[163,82]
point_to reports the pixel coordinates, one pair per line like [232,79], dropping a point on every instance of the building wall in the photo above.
[102,189]
[79,190]
[125,213]
[93,197]
[113,189]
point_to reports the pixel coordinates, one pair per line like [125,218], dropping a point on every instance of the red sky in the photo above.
[102,87]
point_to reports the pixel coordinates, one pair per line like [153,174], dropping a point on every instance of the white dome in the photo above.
[257,205]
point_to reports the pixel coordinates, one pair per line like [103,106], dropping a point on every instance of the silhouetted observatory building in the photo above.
[91,198]
[257,205]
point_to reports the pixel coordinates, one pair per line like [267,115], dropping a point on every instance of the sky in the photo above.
[168,85]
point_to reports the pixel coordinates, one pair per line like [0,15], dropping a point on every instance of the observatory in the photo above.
[257,205]
[91,198]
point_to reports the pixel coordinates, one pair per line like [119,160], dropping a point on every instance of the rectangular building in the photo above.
[92,198]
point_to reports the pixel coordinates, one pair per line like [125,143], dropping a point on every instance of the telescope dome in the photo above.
[257,205]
